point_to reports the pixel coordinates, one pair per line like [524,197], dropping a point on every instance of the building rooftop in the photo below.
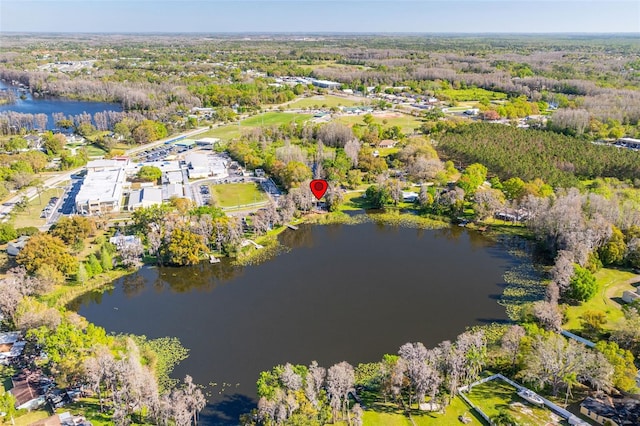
[101,186]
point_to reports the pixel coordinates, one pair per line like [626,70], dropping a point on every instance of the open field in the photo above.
[30,417]
[407,123]
[95,151]
[235,130]
[475,94]
[236,194]
[386,414]
[611,284]
[326,101]
[30,216]
[495,396]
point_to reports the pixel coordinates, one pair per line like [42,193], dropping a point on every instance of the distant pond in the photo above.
[342,292]
[49,105]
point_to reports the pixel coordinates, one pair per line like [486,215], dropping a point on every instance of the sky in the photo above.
[306,16]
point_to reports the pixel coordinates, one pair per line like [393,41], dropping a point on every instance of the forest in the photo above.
[557,159]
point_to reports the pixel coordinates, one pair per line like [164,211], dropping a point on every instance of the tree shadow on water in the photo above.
[227,411]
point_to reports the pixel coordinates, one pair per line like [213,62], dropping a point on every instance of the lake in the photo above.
[342,292]
[49,105]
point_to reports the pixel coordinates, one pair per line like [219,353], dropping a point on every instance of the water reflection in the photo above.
[342,293]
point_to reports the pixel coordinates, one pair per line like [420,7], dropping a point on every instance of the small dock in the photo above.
[293,227]
[213,259]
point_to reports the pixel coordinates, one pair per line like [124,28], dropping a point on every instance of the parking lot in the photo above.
[159,153]
[48,210]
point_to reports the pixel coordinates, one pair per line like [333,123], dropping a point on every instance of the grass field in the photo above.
[235,194]
[407,123]
[95,151]
[493,396]
[381,414]
[611,284]
[30,216]
[235,130]
[30,417]
[474,94]
[327,101]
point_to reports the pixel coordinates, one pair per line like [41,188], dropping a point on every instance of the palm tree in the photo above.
[569,379]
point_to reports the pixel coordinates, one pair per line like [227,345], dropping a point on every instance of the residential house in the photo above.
[624,411]
[630,296]
[14,247]
[409,197]
[599,411]
[387,143]
[25,393]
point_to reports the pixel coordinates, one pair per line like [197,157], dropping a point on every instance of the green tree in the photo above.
[583,285]
[472,178]
[513,188]
[624,369]
[94,264]
[73,230]
[7,233]
[15,144]
[149,173]
[83,274]
[295,173]
[53,144]
[184,247]
[149,131]
[46,249]
[592,322]
[7,404]
[106,260]
[378,196]
[613,252]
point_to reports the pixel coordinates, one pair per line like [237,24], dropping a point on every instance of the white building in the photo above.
[102,165]
[174,177]
[143,198]
[207,143]
[101,190]
[198,165]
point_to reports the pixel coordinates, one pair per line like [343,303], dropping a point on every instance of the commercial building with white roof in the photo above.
[101,190]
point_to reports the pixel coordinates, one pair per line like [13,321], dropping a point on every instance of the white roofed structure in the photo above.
[101,191]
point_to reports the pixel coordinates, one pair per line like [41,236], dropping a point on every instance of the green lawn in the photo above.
[611,284]
[493,396]
[30,216]
[380,414]
[235,194]
[407,123]
[235,130]
[473,94]
[327,101]
[95,151]
[90,409]
[30,417]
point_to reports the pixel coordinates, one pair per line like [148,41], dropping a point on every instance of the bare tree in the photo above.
[352,148]
[511,342]
[340,382]
[314,382]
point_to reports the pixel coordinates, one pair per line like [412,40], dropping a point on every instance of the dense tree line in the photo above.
[527,154]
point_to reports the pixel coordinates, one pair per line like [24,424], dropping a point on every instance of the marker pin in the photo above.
[318,187]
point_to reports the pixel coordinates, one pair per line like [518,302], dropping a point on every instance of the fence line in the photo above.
[570,417]
[582,340]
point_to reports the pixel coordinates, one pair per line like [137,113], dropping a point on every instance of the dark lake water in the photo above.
[342,292]
[50,105]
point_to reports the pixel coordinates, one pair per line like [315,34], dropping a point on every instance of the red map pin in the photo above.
[318,187]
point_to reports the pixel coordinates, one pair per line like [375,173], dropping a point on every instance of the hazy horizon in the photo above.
[464,17]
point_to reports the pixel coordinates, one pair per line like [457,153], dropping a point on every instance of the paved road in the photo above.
[132,151]
[31,193]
